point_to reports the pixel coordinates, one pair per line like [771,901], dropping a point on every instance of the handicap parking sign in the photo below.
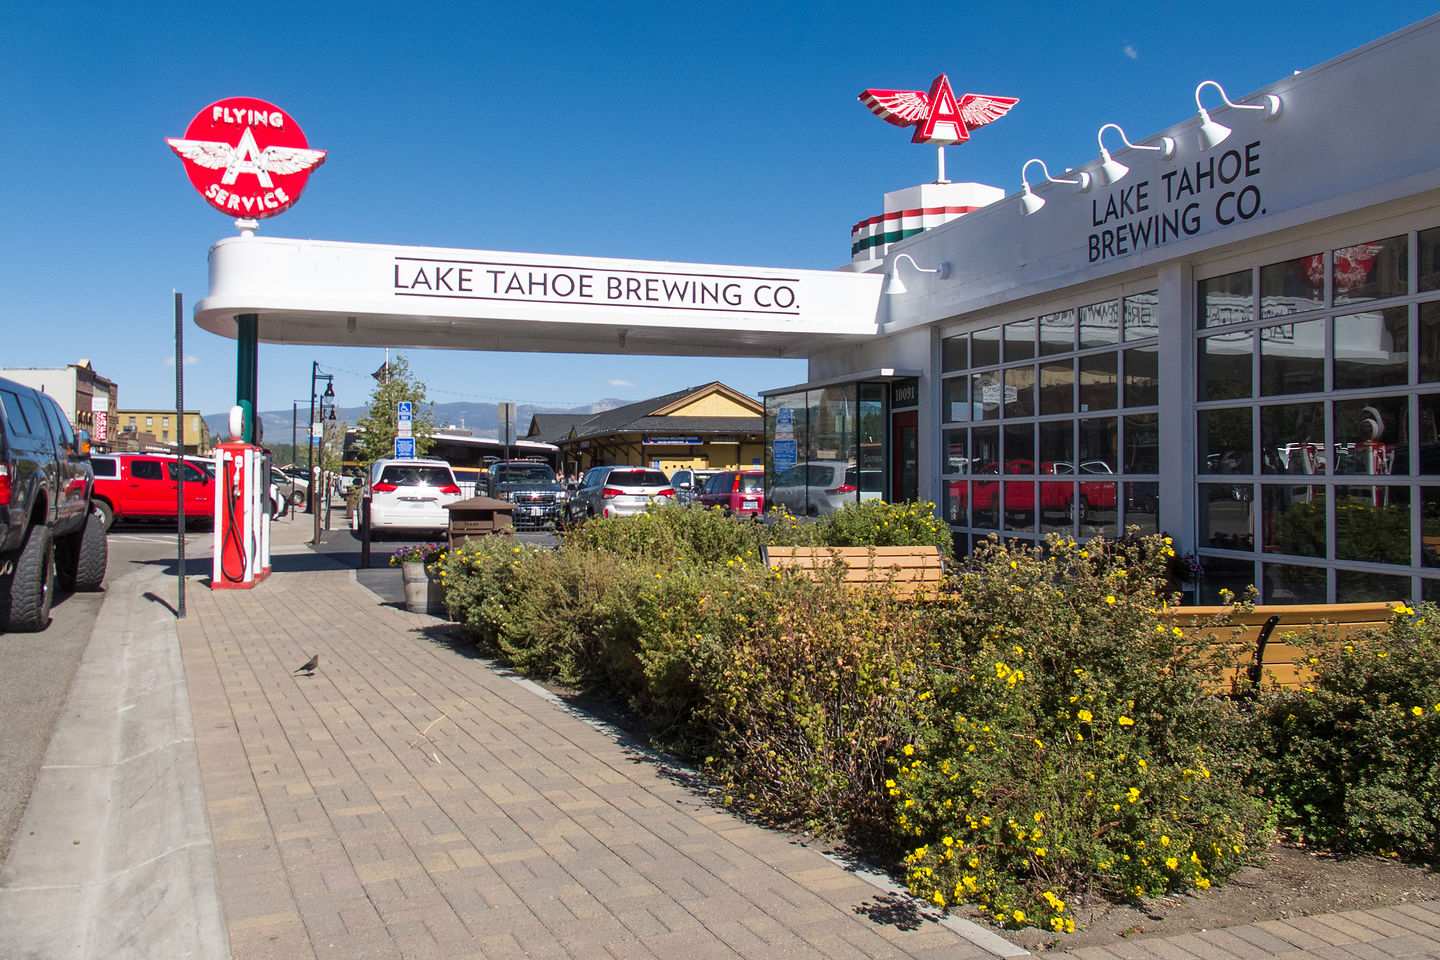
[404,448]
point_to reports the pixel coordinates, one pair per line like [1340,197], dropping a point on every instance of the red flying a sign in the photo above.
[937,116]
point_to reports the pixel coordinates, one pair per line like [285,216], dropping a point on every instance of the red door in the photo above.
[904,456]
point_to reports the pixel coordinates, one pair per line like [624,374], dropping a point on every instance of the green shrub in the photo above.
[669,535]
[1066,745]
[875,523]
[1352,760]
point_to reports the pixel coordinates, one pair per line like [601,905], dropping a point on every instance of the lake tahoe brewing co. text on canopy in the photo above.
[525,283]
[246,157]
[1214,191]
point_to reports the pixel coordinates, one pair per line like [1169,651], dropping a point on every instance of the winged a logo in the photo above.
[246,157]
[938,117]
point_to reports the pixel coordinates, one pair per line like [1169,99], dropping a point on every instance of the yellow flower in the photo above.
[1019,916]
[1171,862]
[1417,710]
[1110,599]
[1085,716]
[1125,722]
[1202,883]
[909,750]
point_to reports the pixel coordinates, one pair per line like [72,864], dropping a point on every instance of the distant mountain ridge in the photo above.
[481,419]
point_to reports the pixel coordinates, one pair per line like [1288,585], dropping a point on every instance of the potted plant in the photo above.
[424,593]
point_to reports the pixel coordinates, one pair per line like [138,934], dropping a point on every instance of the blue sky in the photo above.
[718,133]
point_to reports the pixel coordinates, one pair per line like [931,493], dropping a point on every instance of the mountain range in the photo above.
[481,419]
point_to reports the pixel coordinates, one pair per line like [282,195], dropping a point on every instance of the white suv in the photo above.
[409,496]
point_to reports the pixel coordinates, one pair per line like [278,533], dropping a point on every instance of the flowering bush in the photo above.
[1065,744]
[421,553]
[1352,760]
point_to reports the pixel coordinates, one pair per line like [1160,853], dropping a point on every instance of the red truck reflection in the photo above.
[1055,496]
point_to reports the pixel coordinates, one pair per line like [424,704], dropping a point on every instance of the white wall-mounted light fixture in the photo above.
[1111,170]
[893,283]
[1211,132]
[1029,203]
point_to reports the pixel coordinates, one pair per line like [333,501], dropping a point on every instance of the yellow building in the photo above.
[706,427]
[159,429]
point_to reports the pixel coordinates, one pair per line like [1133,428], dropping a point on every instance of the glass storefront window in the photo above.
[1428,341]
[1292,438]
[1372,524]
[985,347]
[1020,446]
[1019,391]
[1292,358]
[1225,573]
[984,449]
[1372,349]
[1293,520]
[1291,583]
[1370,436]
[1099,381]
[1140,322]
[1057,441]
[1019,340]
[1057,333]
[954,354]
[1019,505]
[1428,441]
[1142,443]
[1225,515]
[1142,376]
[1098,439]
[955,400]
[1295,286]
[985,395]
[1357,586]
[1225,439]
[1100,324]
[1371,271]
[1430,526]
[1429,259]
[1226,300]
[1057,387]
[1225,366]
[1142,507]
[957,451]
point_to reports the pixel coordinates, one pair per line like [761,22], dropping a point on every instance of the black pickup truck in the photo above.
[48,532]
[529,484]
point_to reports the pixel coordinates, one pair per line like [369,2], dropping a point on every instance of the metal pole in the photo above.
[180,456]
[294,415]
[310,440]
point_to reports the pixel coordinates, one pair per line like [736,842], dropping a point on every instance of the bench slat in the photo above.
[910,570]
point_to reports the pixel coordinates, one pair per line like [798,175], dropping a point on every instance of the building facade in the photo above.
[160,429]
[1234,341]
[88,399]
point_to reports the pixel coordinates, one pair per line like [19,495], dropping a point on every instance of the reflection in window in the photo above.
[1226,520]
[1293,520]
[1140,316]
[1019,391]
[1371,271]
[1142,443]
[1057,441]
[1292,358]
[1225,438]
[1019,505]
[1225,573]
[1290,583]
[1372,349]
[1372,524]
[1430,526]
[1142,507]
[1225,300]
[1225,366]
[1428,341]
[1357,586]
[1057,387]
[954,354]
[1430,259]
[1294,286]
[985,395]
[1019,340]
[1057,332]
[957,451]
[955,399]
[1370,436]
[1428,441]
[1099,381]
[1292,438]
[1100,324]
[1098,438]
[985,347]
[1142,376]
[1020,446]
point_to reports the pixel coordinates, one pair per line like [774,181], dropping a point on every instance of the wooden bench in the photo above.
[910,571]
[1259,653]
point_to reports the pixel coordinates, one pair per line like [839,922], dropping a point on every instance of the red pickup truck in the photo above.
[141,486]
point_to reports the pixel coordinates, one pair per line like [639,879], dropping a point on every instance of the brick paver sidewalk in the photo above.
[408,800]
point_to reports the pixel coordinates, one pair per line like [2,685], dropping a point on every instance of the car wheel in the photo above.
[32,583]
[81,557]
[1079,510]
[107,513]
[297,497]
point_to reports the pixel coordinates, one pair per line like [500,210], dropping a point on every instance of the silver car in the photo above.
[620,492]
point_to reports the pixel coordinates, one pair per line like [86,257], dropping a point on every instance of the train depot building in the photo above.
[1227,330]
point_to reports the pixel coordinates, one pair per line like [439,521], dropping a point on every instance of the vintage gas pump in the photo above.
[242,512]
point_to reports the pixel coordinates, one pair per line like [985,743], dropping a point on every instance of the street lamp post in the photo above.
[315,377]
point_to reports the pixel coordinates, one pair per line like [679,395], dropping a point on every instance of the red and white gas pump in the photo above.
[242,515]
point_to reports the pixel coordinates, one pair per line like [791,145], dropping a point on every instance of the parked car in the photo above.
[688,483]
[620,492]
[818,487]
[142,486]
[1054,496]
[531,485]
[409,496]
[48,530]
[740,493]
[288,489]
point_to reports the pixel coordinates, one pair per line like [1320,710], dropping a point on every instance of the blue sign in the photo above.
[404,448]
[784,455]
[404,409]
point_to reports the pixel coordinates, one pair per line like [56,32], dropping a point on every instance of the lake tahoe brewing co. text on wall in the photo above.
[1214,191]
[246,157]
